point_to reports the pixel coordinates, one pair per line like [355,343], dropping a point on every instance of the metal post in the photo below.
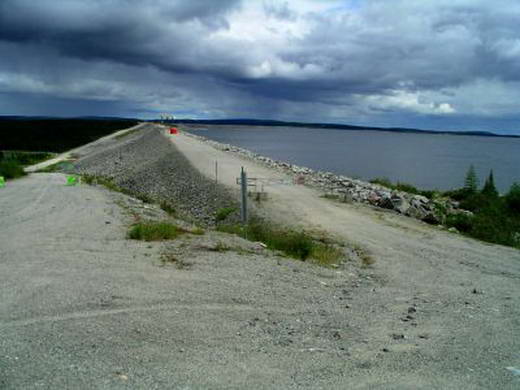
[216,171]
[243,182]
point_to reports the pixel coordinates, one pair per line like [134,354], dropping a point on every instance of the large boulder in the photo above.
[400,204]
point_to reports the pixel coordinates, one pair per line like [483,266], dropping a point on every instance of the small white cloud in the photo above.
[407,101]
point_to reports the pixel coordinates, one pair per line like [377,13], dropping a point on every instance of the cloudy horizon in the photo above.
[445,65]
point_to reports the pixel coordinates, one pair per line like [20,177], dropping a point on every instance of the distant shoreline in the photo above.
[335,126]
[263,122]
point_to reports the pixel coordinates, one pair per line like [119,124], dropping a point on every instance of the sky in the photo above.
[430,64]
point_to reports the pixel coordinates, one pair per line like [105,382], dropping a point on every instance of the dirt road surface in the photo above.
[468,291]
[82,149]
[83,307]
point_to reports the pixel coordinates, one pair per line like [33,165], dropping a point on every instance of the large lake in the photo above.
[427,161]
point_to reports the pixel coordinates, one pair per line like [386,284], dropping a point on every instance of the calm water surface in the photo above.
[427,161]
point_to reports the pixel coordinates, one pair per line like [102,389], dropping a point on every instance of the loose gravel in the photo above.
[147,165]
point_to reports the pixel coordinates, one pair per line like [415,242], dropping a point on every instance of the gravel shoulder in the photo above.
[462,293]
[83,307]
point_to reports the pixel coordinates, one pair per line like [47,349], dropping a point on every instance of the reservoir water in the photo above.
[428,161]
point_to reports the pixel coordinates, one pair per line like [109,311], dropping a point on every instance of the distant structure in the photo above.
[167,117]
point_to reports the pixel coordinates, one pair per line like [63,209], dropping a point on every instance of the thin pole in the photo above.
[216,171]
[243,182]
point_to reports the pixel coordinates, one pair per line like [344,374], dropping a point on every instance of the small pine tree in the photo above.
[471,181]
[489,189]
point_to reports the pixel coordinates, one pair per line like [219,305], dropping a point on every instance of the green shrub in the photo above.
[513,198]
[476,202]
[489,190]
[462,222]
[223,213]
[11,169]
[154,231]
[458,194]
[471,181]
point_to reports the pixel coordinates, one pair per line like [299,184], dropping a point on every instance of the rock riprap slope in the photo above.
[147,165]
[353,190]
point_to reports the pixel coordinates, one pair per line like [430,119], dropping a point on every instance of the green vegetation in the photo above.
[154,231]
[495,218]
[405,187]
[110,185]
[56,135]
[298,245]
[223,213]
[25,158]
[11,169]
[471,181]
[168,208]
[12,162]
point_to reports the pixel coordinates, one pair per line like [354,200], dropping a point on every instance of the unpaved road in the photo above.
[82,149]
[469,291]
[83,307]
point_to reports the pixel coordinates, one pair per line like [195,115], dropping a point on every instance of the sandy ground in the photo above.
[83,307]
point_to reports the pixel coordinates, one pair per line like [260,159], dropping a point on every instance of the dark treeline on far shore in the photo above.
[55,135]
[332,126]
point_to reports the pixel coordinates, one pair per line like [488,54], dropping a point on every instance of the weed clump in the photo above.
[223,213]
[296,244]
[154,231]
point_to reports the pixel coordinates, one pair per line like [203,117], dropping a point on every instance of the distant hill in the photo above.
[55,135]
[261,122]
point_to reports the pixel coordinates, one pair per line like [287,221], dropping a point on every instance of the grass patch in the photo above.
[325,255]
[296,244]
[223,213]
[154,231]
[197,232]
[110,185]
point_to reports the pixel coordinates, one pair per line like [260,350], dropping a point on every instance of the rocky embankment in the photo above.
[147,165]
[433,211]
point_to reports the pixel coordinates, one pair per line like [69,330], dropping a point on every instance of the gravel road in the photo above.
[83,307]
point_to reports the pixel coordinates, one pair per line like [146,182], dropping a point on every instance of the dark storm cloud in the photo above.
[336,59]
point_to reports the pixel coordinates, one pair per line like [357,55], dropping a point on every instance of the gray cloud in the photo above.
[376,61]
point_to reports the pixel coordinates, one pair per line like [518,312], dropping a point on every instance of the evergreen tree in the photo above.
[489,186]
[513,198]
[471,181]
